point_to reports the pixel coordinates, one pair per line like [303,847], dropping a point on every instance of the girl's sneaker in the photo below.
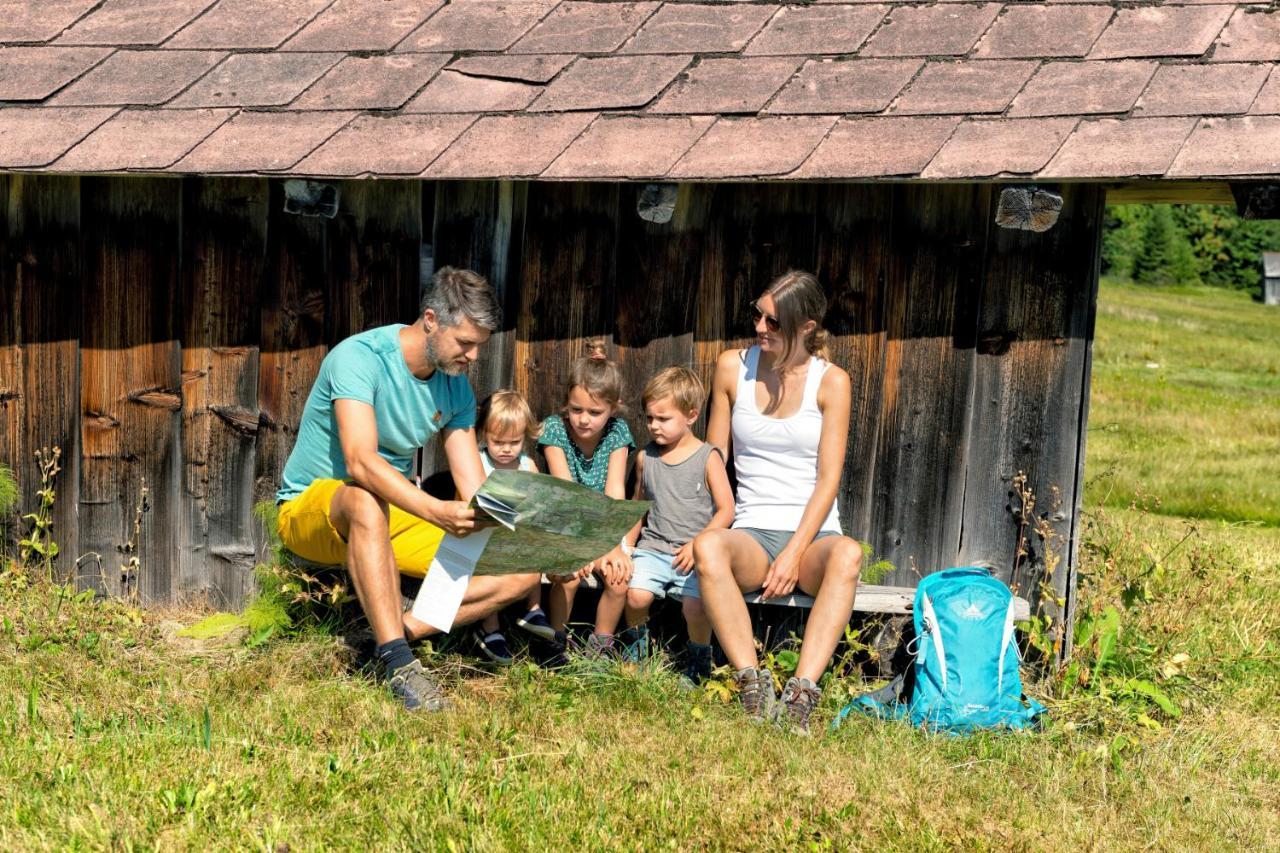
[599,645]
[495,647]
[536,623]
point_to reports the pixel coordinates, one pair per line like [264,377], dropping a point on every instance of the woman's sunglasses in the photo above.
[770,322]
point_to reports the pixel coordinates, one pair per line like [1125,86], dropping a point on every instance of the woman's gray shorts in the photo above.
[773,541]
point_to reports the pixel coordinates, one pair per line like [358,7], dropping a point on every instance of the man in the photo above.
[347,498]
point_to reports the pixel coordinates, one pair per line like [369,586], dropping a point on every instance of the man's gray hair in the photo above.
[454,294]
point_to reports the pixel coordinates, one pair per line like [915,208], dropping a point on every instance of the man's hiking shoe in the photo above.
[494,647]
[417,690]
[536,623]
[635,643]
[755,691]
[799,697]
[697,666]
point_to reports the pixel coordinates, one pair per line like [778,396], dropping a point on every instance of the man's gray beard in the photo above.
[433,358]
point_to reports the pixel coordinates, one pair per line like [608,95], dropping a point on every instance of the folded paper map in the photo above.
[546,526]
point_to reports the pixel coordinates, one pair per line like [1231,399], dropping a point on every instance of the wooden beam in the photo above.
[1170,192]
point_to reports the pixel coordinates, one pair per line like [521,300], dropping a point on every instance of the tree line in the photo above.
[1165,244]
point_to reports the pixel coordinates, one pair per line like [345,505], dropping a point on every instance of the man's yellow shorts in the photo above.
[306,530]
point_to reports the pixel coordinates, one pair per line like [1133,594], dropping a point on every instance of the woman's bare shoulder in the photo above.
[836,381]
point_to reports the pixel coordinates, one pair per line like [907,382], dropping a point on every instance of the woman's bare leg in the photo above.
[829,572]
[728,563]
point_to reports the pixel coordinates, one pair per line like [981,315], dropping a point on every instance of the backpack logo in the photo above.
[973,613]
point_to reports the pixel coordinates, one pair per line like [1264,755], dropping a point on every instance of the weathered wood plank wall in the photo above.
[171,328]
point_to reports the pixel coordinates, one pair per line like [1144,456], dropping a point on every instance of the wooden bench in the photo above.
[873,599]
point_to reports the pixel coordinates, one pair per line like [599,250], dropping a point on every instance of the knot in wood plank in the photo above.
[157,398]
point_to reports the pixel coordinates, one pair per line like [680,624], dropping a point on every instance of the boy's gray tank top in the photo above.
[682,504]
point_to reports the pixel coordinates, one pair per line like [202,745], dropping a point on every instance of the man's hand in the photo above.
[682,562]
[783,575]
[457,518]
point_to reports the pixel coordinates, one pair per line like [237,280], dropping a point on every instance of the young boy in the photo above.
[685,478]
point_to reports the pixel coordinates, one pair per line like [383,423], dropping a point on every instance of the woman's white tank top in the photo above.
[776,459]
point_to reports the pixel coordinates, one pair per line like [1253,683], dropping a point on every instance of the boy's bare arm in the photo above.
[637,494]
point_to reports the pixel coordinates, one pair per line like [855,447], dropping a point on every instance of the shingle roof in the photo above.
[1064,89]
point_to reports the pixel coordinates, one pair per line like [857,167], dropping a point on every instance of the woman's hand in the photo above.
[682,562]
[783,575]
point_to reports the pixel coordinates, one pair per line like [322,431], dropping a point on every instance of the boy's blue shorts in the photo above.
[654,573]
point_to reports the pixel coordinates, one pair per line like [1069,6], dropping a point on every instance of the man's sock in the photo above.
[395,654]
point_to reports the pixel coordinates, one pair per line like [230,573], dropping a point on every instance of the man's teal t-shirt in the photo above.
[370,367]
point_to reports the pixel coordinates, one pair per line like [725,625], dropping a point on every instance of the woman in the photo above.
[786,408]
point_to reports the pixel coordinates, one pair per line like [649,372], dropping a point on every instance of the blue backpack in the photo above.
[966,661]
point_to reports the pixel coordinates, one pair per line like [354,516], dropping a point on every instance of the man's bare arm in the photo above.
[358,435]
[463,453]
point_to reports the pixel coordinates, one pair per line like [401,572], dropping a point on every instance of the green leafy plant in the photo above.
[38,544]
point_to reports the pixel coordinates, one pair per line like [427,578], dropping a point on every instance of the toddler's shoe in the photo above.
[494,646]
[536,623]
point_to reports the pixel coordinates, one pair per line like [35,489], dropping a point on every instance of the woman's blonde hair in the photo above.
[680,384]
[597,375]
[506,411]
[798,298]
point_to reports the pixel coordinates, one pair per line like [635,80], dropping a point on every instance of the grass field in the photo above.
[115,734]
[1185,405]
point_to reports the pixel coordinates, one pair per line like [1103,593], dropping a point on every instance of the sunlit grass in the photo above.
[1185,404]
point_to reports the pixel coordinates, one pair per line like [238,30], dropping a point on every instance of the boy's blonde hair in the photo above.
[681,384]
[507,411]
[597,375]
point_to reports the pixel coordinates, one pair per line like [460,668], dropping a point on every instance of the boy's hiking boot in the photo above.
[417,690]
[635,643]
[799,697]
[536,623]
[755,691]
[697,665]
[495,648]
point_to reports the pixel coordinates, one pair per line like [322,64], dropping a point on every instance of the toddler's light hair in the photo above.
[506,411]
[681,384]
